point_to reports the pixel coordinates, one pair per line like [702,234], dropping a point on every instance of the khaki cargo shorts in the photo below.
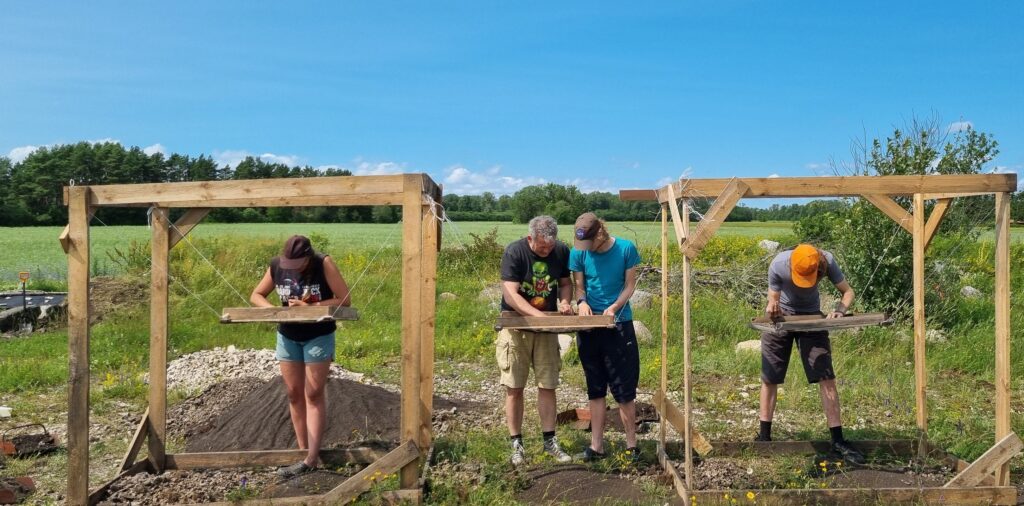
[518,351]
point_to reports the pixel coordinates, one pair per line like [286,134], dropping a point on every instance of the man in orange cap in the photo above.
[793,290]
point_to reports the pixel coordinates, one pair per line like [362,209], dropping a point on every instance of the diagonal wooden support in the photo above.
[133,448]
[989,462]
[678,421]
[938,212]
[677,222]
[186,223]
[715,216]
[65,242]
[353,487]
[891,209]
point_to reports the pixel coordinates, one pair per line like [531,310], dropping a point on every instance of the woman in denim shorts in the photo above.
[303,277]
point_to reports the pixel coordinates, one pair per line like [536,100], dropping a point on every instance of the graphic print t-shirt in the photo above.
[310,287]
[537,276]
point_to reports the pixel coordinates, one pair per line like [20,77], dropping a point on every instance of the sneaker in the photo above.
[552,448]
[590,455]
[848,452]
[518,457]
[633,455]
[294,470]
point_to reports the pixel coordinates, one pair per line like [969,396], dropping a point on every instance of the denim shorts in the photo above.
[318,349]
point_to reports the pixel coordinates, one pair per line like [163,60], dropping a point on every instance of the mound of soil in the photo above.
[108,295]
[261,420]
[578,485]
[877,478]
[198,414]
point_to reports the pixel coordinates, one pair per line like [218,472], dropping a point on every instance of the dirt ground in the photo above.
[575,484]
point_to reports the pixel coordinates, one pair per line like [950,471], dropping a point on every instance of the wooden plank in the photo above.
[428,298]
[920,371]
[78,346]
[64,237]
[955,463]
[989,462]
[218,460]
[412,312]
[341,190]
[733,196]
[97,494]
[158,311]
[186,223]
[1002,330]
[136,443]
[677,221]
[953,195]
[570,323]
[674,416]
[353,487]
[291,314]
[672,472]
[410,496]
[938,212]
[664,316]
[895,447]
[891,209]
[926,495]
[840,186]
[714,218]
[813,322]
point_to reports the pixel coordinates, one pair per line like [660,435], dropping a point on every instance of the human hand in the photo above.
[564,307]
[773,310]
[584,309]
[834,314]
[612,309]
[295,301]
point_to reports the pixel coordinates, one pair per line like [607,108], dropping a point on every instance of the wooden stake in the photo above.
[158,338]
[412,283]
[78,345]
[920,371]
[989,462]
[428,296]
[732,192]
[1002,331]
[664,314]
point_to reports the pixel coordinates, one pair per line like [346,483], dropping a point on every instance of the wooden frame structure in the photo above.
[419,197]
[988,482]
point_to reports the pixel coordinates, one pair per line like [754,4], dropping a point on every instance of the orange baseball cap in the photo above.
[803,265]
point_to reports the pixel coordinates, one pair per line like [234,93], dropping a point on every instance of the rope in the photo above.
[351,289]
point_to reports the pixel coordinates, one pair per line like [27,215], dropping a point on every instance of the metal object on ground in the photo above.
[806,323]
[31,443]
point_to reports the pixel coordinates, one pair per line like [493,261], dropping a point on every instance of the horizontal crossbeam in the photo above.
[291,314]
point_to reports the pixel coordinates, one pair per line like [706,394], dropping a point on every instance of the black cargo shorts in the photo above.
[815,353]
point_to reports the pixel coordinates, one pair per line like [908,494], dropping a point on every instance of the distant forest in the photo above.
[32,192]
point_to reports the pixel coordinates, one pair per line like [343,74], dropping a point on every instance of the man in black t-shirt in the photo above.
[534,279]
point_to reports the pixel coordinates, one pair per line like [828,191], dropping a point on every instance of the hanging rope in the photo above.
[369,264]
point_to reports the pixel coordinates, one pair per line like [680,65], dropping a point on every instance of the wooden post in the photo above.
[158,338]
[687,436]
[428,319]
[78,345]
[664,316]
[1002,331]
[920,371]
[412,282]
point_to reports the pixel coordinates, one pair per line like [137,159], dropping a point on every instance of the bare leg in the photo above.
[627,412]
[514,410]
[830,402]
[316,407]
[769,395]
[545,408]
[294,374]
[597,407]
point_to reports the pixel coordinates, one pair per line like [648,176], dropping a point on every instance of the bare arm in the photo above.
[258,297]
[847,300]
[564,295]
[578,281]
[510,289]
[625,294]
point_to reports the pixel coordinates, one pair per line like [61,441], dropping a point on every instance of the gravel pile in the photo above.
[190,487]
[199,370]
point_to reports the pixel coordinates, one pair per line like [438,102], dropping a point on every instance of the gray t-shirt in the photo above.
[795,299]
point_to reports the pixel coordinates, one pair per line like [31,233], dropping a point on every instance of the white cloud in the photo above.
[232,157]
[773,175]
[816,166]
[154,149]
[377,168]
[959,126]
[105,140]
[19,154]
[289,160]
[1016,169]
[463,181]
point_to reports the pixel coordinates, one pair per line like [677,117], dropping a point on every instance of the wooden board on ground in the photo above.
[553,322]
[293,314]
[805,323]
[1001,453]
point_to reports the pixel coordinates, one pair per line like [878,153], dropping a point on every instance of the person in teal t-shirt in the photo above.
[604,273]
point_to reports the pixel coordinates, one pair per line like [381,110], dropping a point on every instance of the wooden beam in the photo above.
[938,212]
[97,494]
[353,487]
[989,462]
[924,495]
[78,346]
[674,416]
[136,443]
[841,186]
[64,237]
[891,209]
[428,298]
[412,314]
[670,469]
[290,314]
[158,311]
[677,221]
[568,323]
[186,223]
[219,460]
[920,371]
[660,404]
[714,218]
[1002,326]
[896,447]
[694,245]
[814,322]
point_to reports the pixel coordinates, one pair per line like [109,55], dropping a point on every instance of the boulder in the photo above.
[564,342]
[641,299]
[447,296]
[643,334]
[753,345]
[970,292]
[769,245]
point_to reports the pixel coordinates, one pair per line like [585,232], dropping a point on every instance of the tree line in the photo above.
[33,192]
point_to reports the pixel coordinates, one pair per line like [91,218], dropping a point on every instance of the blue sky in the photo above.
[492,96]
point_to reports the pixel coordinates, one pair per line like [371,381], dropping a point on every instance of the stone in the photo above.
[564,343]
[448,296]
[490,293]
[970,292]
[753,345]
[933,336]
[643,334]
[769,245]
[641,299]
